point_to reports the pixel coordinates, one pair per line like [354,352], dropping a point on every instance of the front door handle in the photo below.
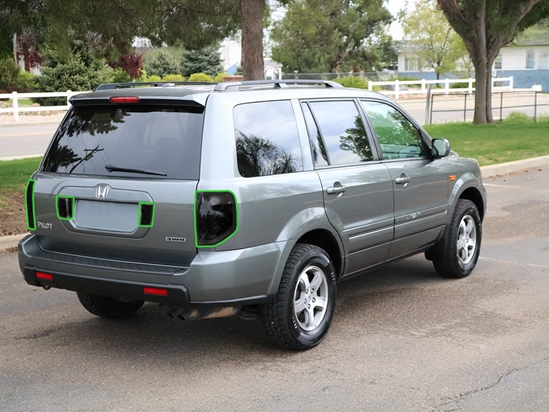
[336,189]
[402,180]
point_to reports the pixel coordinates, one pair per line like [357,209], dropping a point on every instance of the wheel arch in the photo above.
[473,194]
[328,242]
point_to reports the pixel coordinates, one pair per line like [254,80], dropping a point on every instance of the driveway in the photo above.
[403,339]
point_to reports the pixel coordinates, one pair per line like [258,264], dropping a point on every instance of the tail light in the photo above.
[29,205]
[215,217]
[64,205]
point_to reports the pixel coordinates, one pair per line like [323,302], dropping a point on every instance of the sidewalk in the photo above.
[7,242]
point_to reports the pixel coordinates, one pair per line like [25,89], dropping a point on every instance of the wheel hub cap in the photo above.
[310,298]
[467,239]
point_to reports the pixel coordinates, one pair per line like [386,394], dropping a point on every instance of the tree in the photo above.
[109,26]
[435,42]
[485,27]
[330,35]
[206,60]
[79,71]
[161,65]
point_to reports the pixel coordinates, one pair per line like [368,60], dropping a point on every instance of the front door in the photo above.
[420,183]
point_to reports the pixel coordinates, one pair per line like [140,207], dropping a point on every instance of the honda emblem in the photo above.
[101,191]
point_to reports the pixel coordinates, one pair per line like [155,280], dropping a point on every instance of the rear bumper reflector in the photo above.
[155,291]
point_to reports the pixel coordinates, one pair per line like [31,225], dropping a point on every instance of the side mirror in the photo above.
[441,148]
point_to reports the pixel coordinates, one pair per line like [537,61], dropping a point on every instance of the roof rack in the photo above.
[277,84]
[113,86]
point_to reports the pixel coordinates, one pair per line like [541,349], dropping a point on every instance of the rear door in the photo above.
[420,183]
[118,182]
[358,192]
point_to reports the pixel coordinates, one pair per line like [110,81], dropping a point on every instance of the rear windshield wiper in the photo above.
[111,168]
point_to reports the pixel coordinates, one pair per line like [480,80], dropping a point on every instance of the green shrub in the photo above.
[219,78]
[518,118]
[8,73]
[354,82]
[407,78]
[459,85]
[200,77]
[78,72]
[206,60]
[153,78]
[26,80]
[162,65]
[119,75]
[173,78]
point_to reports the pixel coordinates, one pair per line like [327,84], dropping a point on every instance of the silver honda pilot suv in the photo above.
[254,198]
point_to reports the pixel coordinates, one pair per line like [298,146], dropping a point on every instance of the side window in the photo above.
[267,140]
[320,158]
[397,136]
[343,133]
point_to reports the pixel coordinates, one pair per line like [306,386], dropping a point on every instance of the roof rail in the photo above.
[112,86]
[277,84]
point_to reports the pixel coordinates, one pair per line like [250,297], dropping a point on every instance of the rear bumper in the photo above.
[175,295]
[228,278]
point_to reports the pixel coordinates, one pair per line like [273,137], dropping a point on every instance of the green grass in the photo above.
[14,174]
[495,143]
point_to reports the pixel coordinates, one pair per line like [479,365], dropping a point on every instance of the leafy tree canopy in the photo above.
[485,27]
[330,35]
[433,40]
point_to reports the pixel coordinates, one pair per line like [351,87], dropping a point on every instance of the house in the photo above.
[527,62]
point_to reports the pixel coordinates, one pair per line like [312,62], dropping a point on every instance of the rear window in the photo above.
[130,141]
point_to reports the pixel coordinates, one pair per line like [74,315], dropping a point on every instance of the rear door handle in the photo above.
[336,189]
[402,180]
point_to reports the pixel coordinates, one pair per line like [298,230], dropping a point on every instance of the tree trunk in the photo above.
[252,39]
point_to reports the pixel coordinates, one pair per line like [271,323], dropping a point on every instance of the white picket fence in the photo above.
[16,109]
[398,90]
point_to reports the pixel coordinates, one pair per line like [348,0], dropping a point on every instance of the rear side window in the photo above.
[267,140]
[343,132]
[129,140]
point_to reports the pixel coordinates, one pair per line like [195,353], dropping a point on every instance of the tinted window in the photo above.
[267,141]
[320,158]
[397,136]
[93,139]
[343,132]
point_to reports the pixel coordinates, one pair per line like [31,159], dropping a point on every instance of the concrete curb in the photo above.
[512,167]
[487,171]
[7,242]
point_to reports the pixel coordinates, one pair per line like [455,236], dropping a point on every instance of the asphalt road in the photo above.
[27,140]
[402,339]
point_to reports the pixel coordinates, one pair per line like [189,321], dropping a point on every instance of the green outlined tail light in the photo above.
[64,206]
[215,217]
[146,214]
[29,205]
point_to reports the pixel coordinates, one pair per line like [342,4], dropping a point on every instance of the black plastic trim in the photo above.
[178,296]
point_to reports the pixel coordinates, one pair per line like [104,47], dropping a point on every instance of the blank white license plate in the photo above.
[106,216]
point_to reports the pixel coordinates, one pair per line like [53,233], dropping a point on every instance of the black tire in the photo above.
[307,328]
[458,262]
[108,307]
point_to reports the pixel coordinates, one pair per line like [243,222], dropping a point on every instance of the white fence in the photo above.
[423,84]
[16,109]
[398,88]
